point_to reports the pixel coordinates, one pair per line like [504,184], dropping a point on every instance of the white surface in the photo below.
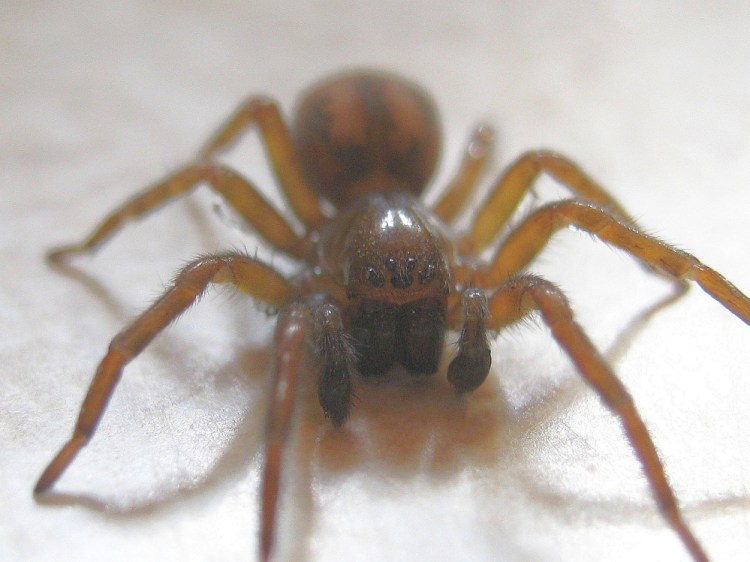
[101,97]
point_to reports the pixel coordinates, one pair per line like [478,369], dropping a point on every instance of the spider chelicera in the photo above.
[382,276]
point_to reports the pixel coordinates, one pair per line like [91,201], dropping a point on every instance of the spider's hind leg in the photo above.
[463,184]
[517,179]
[239,192]
[264,113]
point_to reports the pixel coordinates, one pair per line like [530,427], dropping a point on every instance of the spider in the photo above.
[383,277]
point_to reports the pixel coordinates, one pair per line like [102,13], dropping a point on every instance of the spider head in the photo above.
[394,252]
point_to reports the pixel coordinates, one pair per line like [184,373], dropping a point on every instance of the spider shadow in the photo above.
[406,428]
[562,396]
[436,429]
[101,293]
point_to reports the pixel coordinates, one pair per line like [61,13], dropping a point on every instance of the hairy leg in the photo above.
[517,179]
[526,241]
[320,323]
[293,328]
[264,113]
[242,195]
[247,274]
[522,296]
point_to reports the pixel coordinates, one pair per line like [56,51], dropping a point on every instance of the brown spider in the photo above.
[383,277]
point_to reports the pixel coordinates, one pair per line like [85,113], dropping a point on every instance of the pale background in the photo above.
[98,98]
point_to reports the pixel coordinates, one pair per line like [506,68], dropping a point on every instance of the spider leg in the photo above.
[516,180]
[264,113]
[521,296]
[247,274]
[334,390]
[240,193]
[292,330]
[476,156]
[526,241]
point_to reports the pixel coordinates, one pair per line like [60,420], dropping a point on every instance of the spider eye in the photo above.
[390,264]
[375,278]
[401,280]
[428,274]
[411,264]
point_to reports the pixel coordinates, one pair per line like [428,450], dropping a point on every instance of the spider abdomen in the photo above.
[365,132]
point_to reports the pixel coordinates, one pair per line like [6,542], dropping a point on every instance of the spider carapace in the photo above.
[382,276]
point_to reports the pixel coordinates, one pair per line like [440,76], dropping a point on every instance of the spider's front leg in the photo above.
[528,239]
[247,274]
[297,324]
[522,296]
[292,331]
